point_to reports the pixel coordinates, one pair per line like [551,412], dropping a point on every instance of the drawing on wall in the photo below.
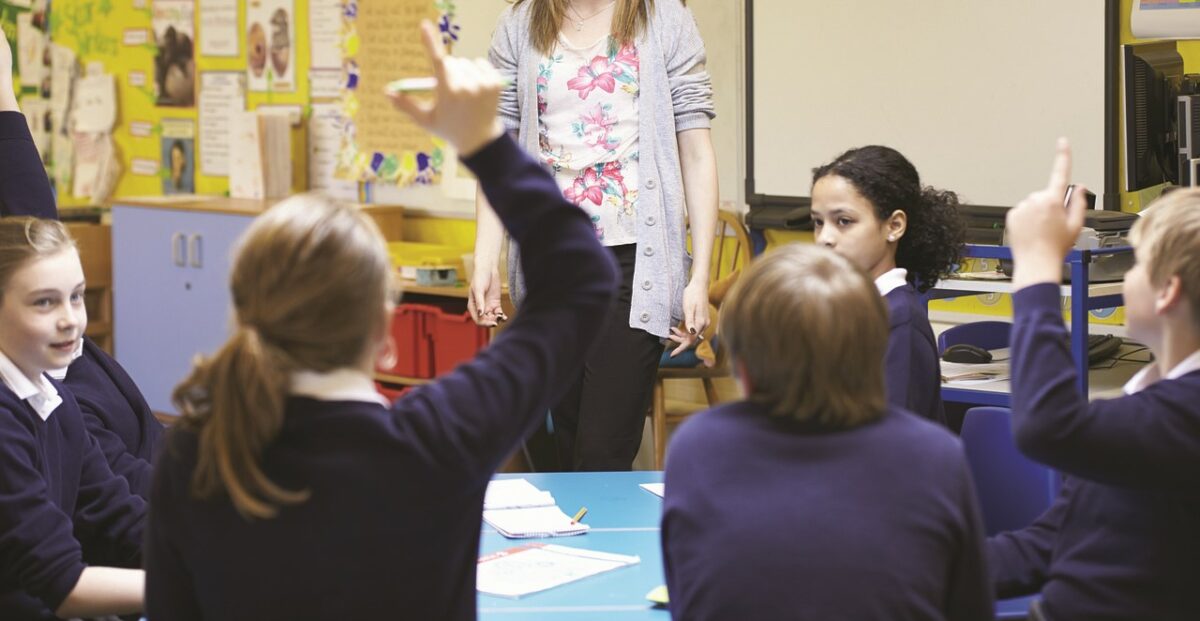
[270,49]
[174,63]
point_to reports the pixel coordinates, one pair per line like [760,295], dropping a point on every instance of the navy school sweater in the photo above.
[1122,539]
[911,369]
[114,409]
[117,414]
[24,187]
[391,529]
[58,497]
[773,519]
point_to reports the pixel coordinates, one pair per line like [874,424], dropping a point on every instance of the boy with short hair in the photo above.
[1121,541]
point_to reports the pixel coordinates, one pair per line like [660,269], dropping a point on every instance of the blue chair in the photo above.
[1012,489]
[985,334]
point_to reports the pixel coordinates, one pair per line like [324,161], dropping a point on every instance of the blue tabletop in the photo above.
[624,519]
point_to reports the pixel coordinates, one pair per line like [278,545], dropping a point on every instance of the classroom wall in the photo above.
[96,30]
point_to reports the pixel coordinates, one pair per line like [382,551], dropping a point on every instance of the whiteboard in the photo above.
[973,92]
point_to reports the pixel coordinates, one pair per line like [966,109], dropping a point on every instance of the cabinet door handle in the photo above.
[196,250]
[177,250]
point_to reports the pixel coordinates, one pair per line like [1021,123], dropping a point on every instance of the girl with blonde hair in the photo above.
[58,497]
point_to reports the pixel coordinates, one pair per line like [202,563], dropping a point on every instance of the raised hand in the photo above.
[1040,230]
[463,108]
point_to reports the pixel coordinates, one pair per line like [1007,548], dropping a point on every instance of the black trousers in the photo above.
[598,423]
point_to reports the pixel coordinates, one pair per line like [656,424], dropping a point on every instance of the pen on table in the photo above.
[579,515]
[417,85]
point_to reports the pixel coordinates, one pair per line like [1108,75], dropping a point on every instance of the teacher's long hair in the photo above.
[546,18]
[310,284]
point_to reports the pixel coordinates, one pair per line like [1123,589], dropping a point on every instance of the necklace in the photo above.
[580,19]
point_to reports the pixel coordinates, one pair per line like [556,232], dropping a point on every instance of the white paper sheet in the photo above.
[325,33]
[537,567]
[658,489]
[222,94]
[95,104]
[325,128]
[31,47]
[219,28]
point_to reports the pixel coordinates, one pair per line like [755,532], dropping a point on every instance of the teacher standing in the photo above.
[613,96]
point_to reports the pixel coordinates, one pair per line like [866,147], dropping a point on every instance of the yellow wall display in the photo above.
[119,34]
[381,144]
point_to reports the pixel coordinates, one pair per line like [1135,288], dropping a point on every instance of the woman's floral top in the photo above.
[588,119]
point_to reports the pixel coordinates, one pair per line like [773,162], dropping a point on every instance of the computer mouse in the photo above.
[967,353]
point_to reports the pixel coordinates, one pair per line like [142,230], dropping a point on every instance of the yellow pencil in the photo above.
[579,516]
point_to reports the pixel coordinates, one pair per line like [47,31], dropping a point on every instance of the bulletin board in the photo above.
[270,53]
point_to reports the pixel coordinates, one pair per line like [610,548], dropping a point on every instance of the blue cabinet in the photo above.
[171,297]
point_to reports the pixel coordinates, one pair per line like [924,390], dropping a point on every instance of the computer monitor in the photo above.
[1151,77]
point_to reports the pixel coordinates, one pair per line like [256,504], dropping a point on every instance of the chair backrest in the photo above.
[985,334]
[1012,489]
[731,246]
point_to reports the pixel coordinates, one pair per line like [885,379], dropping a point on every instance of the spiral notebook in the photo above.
[532,522]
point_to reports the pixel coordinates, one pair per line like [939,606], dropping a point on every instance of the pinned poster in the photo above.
[270,45]
[380,144]
[178,156]
[174,62]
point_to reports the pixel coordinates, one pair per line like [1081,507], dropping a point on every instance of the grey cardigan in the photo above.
[663,263]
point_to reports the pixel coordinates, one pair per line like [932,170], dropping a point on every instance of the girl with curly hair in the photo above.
[868,205]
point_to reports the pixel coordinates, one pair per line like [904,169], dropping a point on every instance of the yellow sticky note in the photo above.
[658,595]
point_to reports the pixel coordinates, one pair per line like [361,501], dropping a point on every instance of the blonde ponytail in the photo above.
[247,381]
[310,282]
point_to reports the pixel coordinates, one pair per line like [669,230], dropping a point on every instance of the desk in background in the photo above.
[624,519]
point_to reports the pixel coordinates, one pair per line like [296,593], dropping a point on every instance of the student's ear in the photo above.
[1169,296]
[896,225]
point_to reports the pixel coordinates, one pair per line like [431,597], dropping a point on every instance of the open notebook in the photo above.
[521,511]
[533,522]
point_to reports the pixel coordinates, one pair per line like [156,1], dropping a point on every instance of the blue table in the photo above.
[624,519]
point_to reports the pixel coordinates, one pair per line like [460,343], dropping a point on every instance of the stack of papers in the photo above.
[518,510]
[537,567]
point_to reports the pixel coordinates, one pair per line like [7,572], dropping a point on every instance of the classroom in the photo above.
[599,309]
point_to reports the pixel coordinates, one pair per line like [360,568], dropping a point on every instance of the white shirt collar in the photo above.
[337,385]
[41,395]
[891,280]
[1149,374]
[61,374]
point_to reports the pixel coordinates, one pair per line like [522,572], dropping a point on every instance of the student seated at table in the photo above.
[290,489]
[113,408]
[814,498]
[868,205]
[1122,539]
[58,497]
